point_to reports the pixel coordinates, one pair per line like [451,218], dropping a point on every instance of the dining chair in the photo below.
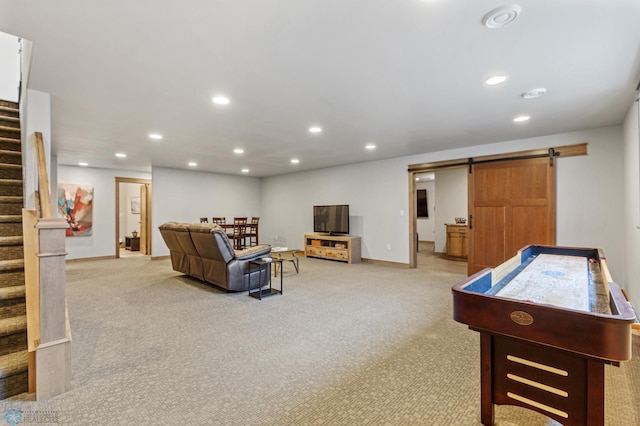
[219,220]
[252,232]
[239,231]
[204,220]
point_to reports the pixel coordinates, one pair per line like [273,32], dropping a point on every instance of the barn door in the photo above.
[511,204]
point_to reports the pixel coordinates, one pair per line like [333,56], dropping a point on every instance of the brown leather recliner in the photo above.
[209,256]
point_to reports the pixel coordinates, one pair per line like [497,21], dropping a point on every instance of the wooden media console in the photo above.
[340,247]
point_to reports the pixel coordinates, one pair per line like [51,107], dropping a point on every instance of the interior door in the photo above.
[511,204]
[144,219]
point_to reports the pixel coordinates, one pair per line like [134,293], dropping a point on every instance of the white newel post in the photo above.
[53,354]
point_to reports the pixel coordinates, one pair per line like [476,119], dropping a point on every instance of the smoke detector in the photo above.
[501,16]
[534,93]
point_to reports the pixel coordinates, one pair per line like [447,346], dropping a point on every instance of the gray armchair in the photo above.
[209,256]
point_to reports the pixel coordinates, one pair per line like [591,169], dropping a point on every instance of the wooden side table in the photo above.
[132,243]
[263,266]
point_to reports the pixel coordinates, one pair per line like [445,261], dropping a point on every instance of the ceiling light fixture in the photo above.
[220,100]
[121,155]
[295,161]
[501,16]
[155,136]
[521,118]
[192,164]
[370,146]
[496,79]
[238,151]
[315,129]
[83,164]
[534,93]
[245,170]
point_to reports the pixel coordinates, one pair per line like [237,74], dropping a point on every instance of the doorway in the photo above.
[133,217]
[517,171]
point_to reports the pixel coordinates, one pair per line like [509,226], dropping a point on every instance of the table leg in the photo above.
[486,380]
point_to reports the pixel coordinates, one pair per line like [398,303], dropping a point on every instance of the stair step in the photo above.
[13,325]
[9,104]
[10,218]
[11,278]
[11,265]
[10,156]
[10,129]
[9,109]
[5,199]
[10,140]
[8,121]
[12,187]
[11,241]
[14,363]
[14,292]
[10,171]
[10,205]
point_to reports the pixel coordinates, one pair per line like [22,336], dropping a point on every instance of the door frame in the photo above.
[415,169]
[120,180]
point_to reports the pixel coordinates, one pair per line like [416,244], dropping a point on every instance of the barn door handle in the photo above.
[470,221]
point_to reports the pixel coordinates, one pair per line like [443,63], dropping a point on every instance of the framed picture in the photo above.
[135,205]
[75,205]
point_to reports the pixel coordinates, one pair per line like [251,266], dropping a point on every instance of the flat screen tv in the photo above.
[331,219]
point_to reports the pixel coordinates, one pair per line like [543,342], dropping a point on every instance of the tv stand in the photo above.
[335,247]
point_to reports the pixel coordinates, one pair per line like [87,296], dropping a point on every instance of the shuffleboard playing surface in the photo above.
[555,280]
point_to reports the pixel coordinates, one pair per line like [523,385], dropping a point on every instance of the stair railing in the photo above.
[48,331]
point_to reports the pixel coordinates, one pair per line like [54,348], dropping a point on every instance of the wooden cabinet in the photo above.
[456,240]
[342,248]
[132,243]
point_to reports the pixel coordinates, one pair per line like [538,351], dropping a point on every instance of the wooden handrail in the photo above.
[43,178]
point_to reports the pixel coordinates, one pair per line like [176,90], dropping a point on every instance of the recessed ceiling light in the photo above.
[220,100]
[534,93]
[83,164]
[121,155]
[155,136]
[521,118]
[238,151]
[192,164]
[501,16]
[315,129]
[496,79]
[370,146]
[245,170]
[294,161]
[417,178]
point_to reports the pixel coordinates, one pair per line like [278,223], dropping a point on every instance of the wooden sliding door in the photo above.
[512,203]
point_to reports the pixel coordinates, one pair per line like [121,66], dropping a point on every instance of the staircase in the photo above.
[13,320]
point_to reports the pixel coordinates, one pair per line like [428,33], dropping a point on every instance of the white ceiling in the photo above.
[406,75]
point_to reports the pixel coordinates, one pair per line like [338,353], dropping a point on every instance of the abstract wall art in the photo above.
[75,204]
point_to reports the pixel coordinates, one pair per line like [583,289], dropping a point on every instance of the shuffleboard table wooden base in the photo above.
[549,320]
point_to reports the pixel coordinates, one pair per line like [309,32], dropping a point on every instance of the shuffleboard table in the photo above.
[549,319]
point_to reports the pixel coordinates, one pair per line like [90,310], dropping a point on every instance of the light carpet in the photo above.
[358,344]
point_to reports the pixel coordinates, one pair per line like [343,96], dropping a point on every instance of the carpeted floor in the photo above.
[358,344]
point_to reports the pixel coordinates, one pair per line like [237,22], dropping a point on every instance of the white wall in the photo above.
[37,119]
[102,241]
[589,212]
[451,202]
[185,196]
[377,194]
[425,226]
[10,69]
[378,191]
[631,278]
